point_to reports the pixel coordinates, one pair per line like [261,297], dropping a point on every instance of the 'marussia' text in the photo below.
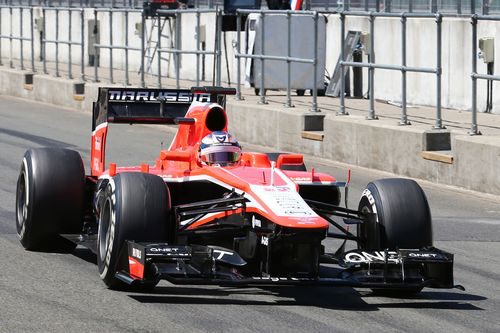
[156,95]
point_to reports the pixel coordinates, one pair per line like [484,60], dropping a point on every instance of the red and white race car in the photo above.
[208,213]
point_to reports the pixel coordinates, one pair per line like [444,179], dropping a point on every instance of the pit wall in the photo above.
[421,51]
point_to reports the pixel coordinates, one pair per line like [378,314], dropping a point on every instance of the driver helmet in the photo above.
[219,148]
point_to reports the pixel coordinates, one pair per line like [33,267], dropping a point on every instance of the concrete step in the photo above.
[313,135]
[443,156]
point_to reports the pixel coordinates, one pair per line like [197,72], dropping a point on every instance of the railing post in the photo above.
[111,47]
[177,47]
[434,6]
[11,58]
[387,6]
[44,43]
[57,42]
[238,51]
[198,46]
[404,116]
[439,120]
[288,62]
[473,129]
[1,9]
[473,7]
[410,6]
[371,70]
[126,49]
[143,47]
[342,111]
[262,87]
[82,44]
[70,74]
[32,32]
[96,75]
[486,7]
[158,49]
[314,107]
[21,35]
[219,46]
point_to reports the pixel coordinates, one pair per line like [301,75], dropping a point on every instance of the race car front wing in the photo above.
[197,264]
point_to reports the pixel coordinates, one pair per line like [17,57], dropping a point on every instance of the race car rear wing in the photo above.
[142,106]
[151,106]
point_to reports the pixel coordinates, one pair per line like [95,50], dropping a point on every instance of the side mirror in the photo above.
[180,156]
[289,159]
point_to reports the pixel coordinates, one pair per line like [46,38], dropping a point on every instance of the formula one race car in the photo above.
[208,213]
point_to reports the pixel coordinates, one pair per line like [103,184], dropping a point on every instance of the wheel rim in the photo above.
[104,232]
[22,200]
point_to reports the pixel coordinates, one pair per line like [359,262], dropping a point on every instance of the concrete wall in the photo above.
[372,144]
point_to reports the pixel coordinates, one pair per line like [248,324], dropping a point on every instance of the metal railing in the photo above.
[18,32]
[111,46]
[177,51]
[20,37]
[57,39]
[403,68]
[475,75]
[484,7]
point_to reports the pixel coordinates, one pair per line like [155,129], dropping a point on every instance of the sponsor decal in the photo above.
[172,96]
[284,201]
[264,241]
[371,257]
[277,278]
[169,251]
[423,255]
[136,253]
[220,138]
[218,254]
[97,143]
[256,223]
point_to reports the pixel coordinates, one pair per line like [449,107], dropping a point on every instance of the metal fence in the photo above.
[67,40]
[19,38]
[403,68]
[484,7]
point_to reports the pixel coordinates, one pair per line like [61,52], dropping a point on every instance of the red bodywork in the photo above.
[272,192]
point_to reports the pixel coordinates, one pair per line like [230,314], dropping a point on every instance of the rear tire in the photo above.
[135,206]
[403,217]
[50,198]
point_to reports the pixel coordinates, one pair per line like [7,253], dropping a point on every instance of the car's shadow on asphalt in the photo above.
[335,298]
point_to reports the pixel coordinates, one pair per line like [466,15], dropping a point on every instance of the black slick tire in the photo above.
[135,206]
[50,198]
[403,217]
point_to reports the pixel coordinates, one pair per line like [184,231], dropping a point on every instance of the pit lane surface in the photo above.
[47,292]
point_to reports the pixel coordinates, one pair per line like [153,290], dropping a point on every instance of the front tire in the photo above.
[403,220]
[135,206]
[402,211]
[49,198]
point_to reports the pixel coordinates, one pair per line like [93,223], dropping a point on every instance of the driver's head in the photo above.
[219,148]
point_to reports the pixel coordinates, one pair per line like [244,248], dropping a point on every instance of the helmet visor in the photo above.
[222,158]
